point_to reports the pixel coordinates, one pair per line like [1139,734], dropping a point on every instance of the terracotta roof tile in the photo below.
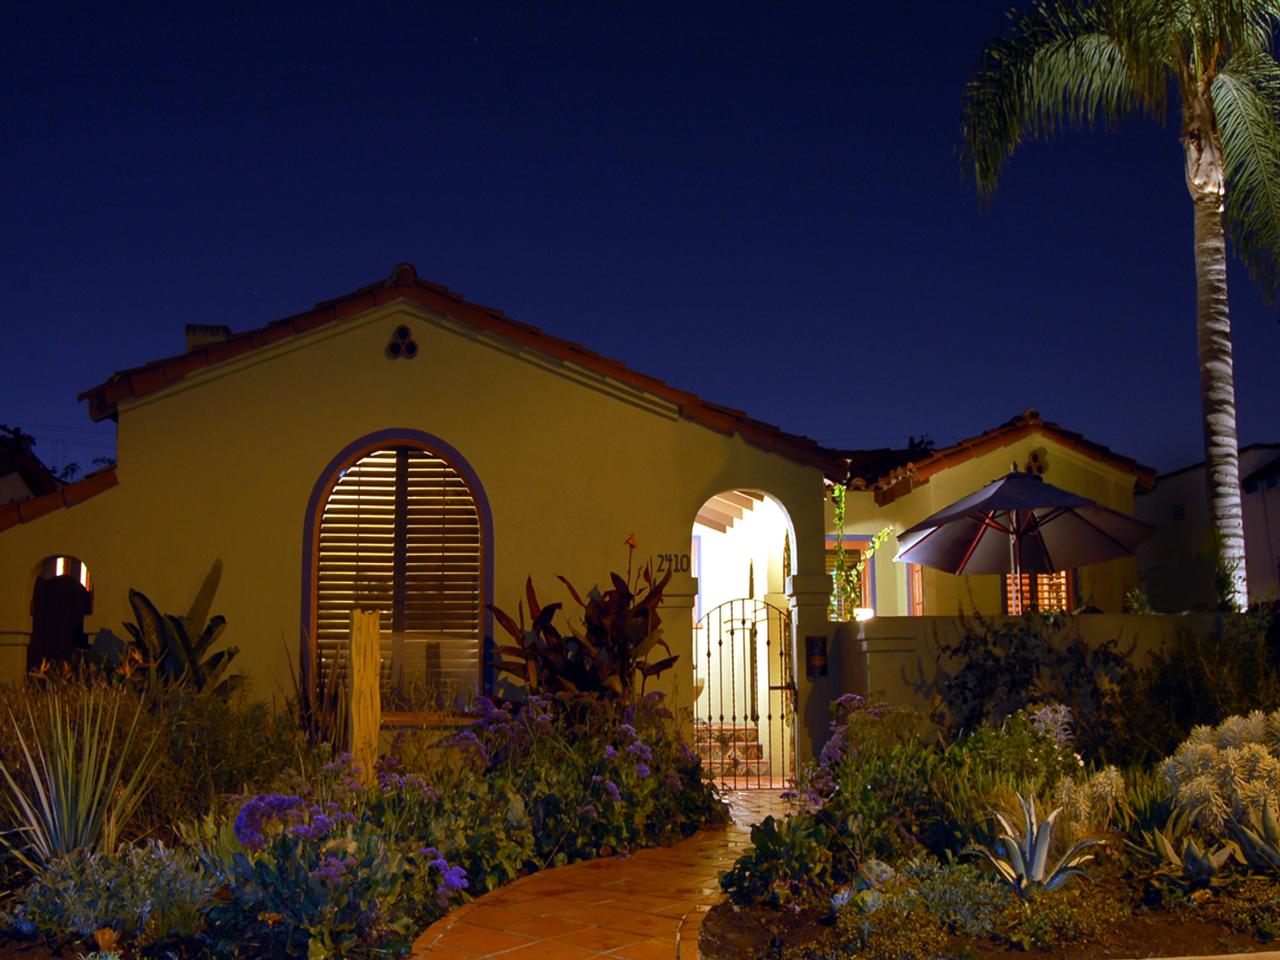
[894,473]
[405,284]
[24,511]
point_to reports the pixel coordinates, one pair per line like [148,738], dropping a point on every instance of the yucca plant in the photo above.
[75,790]
[1021,857]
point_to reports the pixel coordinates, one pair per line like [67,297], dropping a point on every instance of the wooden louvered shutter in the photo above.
[401,532]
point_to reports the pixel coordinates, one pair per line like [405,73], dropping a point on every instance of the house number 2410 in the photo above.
[675,562]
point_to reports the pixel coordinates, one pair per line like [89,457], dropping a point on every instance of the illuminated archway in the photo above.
[743,639]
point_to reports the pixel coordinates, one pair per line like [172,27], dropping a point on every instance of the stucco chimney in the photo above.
[203,334]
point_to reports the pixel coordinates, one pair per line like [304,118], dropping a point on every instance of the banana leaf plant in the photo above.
[606,654]
[168,653]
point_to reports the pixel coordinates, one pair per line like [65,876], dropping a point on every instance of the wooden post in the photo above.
[365,692]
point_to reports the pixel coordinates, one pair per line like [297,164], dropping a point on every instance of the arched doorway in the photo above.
[400,524]
[743,641]
[62,598]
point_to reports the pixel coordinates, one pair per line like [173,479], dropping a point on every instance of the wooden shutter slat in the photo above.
[434,584]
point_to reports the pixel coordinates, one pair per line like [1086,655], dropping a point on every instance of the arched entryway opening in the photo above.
[61,599]
[399,522]
[743,641]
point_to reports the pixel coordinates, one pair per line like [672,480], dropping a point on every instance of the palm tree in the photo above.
[1064,64]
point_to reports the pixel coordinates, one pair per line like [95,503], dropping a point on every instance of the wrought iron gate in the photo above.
[745,713]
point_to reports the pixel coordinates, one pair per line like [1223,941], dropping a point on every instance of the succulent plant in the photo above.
[1180,855]
[1259,839]
[1021,857]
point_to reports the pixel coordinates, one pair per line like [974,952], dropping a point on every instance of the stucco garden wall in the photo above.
[897,657]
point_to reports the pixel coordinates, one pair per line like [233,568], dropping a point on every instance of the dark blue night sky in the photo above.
[763,203]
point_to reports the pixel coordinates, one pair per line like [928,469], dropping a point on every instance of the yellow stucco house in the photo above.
[896,489]
[402,447]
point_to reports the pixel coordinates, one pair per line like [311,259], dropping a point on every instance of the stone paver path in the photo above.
[648,906]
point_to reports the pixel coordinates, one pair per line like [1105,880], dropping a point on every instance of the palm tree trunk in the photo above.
[1206,183]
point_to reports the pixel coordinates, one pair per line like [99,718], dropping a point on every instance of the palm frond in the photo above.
[1058,68]
[1246,101]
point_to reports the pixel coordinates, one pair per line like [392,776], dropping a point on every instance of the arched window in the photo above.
[400,531]
[62,598]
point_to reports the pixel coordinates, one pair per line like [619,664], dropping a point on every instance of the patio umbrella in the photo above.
[1020,524]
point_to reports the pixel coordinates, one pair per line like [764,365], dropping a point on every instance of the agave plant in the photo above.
[165,653]
[76,793]
[1180,856]
[1022,857]
[1259,840]
[603,655]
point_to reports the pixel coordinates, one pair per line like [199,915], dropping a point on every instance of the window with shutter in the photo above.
[401,532]
[1043,592]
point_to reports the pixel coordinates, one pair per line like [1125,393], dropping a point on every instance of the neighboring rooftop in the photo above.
[893,473]
[1250,448]
[405,284]
[19,462]
[66,495]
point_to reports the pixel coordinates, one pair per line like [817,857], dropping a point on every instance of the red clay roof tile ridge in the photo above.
[890,485]
[404,282]
[69,495]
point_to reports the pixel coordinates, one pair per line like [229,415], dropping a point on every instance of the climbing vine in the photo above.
[846,592]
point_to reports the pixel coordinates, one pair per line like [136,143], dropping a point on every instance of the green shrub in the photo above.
[570,777]
[311,889]
[789,860]
[1053,919]
[1250,906]
[1200,679]
[148,894]
[963,898]
[1038,658]
[894,929]
[255,743]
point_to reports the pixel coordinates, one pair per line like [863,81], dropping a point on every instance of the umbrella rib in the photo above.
[1085,520]
[1039,532]
[973,545]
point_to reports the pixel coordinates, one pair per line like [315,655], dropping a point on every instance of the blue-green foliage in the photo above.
[960,895]
[149,893]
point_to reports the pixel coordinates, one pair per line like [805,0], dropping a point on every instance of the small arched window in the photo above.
[62,598]
[400,531]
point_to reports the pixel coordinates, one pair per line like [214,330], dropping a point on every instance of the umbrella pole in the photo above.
[1015,561]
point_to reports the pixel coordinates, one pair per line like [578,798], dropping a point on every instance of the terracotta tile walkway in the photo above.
[648,906]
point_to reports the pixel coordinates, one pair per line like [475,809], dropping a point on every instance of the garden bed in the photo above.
[1008,829]
[732,932]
